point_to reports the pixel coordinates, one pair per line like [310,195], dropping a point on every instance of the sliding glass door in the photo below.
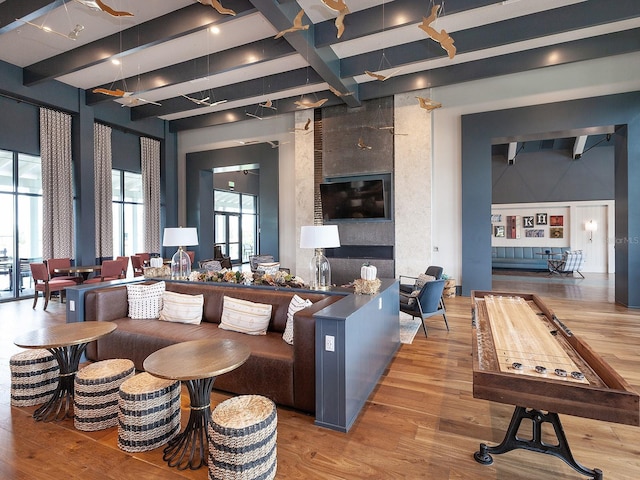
[21,228]
[235,224]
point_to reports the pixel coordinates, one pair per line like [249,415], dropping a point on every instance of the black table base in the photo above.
[190,448]
[536,444]
[60,405]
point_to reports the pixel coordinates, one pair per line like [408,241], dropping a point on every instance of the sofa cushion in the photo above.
[145,301]
[181,308]
[295,305]
[244,316]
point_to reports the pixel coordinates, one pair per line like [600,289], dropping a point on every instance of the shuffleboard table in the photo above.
[523,355]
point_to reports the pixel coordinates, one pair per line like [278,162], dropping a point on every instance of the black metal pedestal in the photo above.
[191,447]
[512,442]
[60,406]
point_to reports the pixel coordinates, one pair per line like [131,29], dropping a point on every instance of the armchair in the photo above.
[425,303]
[432,271]
[570,263]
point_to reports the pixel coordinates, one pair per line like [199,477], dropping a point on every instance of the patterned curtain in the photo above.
[103,190]
[150,150]
[57,185]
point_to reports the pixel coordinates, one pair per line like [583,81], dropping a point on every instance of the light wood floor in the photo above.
[421,422]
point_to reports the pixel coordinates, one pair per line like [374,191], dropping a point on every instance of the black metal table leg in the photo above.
[190,448]
[60,405]
[511,441]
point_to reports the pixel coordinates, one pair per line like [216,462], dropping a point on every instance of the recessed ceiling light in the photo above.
[215,30]
[115,61]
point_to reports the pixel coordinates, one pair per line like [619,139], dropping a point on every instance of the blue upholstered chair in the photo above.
[432,270]
[425,303]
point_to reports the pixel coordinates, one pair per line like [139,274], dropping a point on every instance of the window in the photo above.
[235,224]
[21,228]
[128,212]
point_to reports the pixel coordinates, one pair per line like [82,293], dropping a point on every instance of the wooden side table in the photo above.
[66,342]
[196,363]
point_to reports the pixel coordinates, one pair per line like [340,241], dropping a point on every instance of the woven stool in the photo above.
[96,393]
[149,412]
[34,377]
[242,439]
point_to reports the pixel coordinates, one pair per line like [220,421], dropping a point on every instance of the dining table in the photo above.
[195,363]
[83,270]
[66,342]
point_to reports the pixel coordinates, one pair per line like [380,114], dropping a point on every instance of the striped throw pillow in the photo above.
[145,301]
[244,316]
[181,308]
[295,305]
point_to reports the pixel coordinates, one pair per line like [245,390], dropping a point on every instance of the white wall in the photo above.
[546,85]
[598,250]
[551,84]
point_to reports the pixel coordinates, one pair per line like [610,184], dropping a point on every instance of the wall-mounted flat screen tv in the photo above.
[357,199]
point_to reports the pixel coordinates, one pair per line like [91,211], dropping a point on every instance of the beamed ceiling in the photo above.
[167,49]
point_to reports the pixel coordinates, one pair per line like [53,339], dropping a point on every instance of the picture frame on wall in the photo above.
[541,218]
[556,221]
[527,221]
[556,232]
[498,231]
[534,233]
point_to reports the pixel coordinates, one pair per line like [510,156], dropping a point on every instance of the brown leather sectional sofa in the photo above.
[282,372]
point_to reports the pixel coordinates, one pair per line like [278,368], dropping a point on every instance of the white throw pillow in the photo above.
[244,316]
[181,308]
[145,301]
[295,305]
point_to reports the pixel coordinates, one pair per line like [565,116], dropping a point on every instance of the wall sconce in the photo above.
[591,226]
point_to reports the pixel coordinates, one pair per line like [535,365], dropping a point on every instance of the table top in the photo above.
[64,335]
[517,333]
[197,359]
[79,269]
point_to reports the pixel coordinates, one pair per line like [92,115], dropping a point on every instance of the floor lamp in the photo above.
[180,262]
[319,237]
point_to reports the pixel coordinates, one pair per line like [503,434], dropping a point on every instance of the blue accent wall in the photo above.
[478,130]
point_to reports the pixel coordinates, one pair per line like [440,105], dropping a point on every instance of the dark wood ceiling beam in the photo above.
[237,91]
[323,60]
[382,18]
[220,62]
[285,105]
[10,10]
[173,25]
[617,43]
[560,20]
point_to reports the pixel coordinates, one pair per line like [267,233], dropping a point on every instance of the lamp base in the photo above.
[320,272]
[180,265]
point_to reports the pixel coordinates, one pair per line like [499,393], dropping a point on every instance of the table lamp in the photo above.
[319,237]
[180,262]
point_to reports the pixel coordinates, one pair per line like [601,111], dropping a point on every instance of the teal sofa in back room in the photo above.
[524,258]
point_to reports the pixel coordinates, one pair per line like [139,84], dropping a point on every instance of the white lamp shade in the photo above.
[591,226]
[180,237]
[319,236]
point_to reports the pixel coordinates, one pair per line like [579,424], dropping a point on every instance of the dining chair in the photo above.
[111,270]
[125,265]
[136,264]
[144,257]
[425,303]
[46,285]
[54,263]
